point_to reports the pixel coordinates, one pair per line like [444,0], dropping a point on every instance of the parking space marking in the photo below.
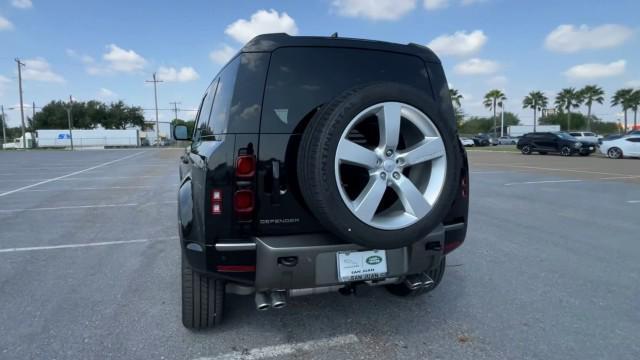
[286,349]
[542,182]
[555,169]
[72,207]
[70,174]
[633,201]
[94,188]
[70,246]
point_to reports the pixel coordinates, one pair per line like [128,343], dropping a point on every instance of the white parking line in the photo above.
[70,246]
[552,169]
[541,182]
[70,174]
[93,188]
[634,201]
[87,206]
[286,349]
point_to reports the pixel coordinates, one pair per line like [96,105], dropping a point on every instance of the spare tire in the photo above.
[379,165]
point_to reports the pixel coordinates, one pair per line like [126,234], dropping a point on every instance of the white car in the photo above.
[627,146]
[507,140]
[585,136]
[466,141]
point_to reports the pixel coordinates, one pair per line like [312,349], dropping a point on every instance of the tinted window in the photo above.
[220,110]
[633,139]
[204,112]
[246,104]
[589,134]
[302,79]
[575,134]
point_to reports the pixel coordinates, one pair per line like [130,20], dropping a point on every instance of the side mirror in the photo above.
[180,132]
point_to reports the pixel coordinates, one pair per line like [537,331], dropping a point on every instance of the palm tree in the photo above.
[566,99]
[634,104]
[536,100]
[492,100]
[623,98]
[455,97]
[591,94]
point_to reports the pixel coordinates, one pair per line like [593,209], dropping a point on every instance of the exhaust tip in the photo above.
[263,302]
[278,300]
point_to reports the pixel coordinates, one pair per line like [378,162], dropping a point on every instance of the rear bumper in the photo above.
[315,260]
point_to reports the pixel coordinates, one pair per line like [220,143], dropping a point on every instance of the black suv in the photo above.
[554,142]
[319,164]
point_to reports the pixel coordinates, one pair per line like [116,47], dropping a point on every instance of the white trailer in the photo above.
[93,138]
[519,130]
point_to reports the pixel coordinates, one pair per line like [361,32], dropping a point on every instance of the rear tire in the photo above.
[202,299]
[436,274]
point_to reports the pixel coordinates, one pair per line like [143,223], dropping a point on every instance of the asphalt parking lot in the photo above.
[89,269]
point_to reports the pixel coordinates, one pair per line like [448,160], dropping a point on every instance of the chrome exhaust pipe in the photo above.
[263,301]
[413,282]
[426,280]
[278,299]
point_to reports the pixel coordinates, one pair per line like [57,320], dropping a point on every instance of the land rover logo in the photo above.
[374,260]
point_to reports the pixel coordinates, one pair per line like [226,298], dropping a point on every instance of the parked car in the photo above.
[609,137]
[466,141]
[585,136]
[484,140]
[557,142]
[507,140]
[321,189]
[627,146]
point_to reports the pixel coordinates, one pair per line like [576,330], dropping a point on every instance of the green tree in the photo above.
[591,94]
[634,103]
[536,100]
[567,99]
[484,124]
[623,98]
[492,100]
[455,97]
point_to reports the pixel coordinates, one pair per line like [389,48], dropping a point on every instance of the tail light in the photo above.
[245,166]
[243,201]
[216,201]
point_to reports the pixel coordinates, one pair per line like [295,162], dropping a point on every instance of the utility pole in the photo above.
[502,121]
[4,130]
[70,121]
[33,111]
[155,95]
[175,108]
[20,65]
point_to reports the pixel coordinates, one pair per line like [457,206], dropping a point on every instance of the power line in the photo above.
[175,108]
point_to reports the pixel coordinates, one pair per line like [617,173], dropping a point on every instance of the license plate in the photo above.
[361,265]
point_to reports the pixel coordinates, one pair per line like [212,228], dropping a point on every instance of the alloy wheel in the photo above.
[390,165]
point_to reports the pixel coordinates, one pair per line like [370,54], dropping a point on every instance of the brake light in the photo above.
[236,268]
[245,166]
[243,201]
[216,201]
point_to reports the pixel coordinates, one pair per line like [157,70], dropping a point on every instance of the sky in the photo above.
[106,50]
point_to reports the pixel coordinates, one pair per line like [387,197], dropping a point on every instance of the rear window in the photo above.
[589,134]
[302,79]
[576,134]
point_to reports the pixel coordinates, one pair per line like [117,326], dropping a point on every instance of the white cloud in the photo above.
[595,70]
[374,9]
[459,43]
[5,24]
[570,39]
[435,4]
[223,54]
[261,22]
[38,69]
[171,74]
[22,4]
[476,66]
[106,94]
[121,60]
